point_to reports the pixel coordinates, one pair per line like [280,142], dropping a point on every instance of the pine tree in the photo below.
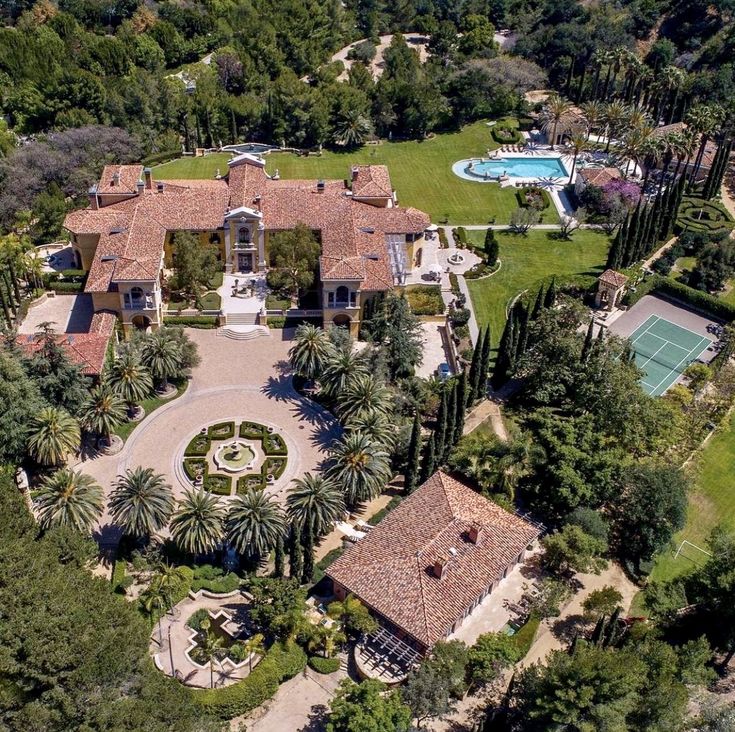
[413,463]
[307,571]
[296,554]
[451,420]
[588,340]
[461,406]
[550,297]
[429,465]
[473,383]
[440,429]
[279,558]
[484,363]
[538,304]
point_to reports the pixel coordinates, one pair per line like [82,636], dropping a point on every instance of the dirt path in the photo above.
[487,409]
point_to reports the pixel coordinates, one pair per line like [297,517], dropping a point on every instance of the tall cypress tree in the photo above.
[413,463]
[461,406]
[279,559]
[475,371]
[524,319]
[502,362]
[491,248]
[429,464]
[296,554]
[451,420]
[513,343]
[614,254]
[550,297]
[538,304]
[484,363]
[440,429]
[588,340]
[307,572]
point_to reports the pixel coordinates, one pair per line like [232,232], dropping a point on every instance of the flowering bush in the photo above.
[621,191]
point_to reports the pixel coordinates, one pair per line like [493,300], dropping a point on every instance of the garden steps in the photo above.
[241,318]
[243,332]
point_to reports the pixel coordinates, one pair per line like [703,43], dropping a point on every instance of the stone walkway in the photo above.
[170,641]
[236,380]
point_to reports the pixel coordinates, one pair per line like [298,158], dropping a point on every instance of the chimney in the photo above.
[148,175]
[354,172]
[440,566]
[159,186]
[140,185]
[116,178]
[257,202]
[320,186]
[93,202]
[474,535]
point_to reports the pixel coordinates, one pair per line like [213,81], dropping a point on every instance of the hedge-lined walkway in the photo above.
[236,380]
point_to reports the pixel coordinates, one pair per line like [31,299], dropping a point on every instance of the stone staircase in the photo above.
[243,332]
[242,318]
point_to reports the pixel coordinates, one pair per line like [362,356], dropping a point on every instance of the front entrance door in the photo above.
[244,262]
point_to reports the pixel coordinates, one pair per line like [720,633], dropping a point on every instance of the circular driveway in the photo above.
[236,380]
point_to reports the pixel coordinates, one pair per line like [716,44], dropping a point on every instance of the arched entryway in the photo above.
[141,322]
[341,320]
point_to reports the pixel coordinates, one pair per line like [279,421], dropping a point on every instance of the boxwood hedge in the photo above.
[324,665]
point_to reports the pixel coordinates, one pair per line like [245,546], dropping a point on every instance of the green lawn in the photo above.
[191,167]
[711,502]
[525,260]
[421,172]
[150,405]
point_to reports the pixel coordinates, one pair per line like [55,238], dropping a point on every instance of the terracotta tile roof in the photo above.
[611,277]
[87,350]
[599,176]
[132,232]
[119,179]
[664,130]
[371,181]
[391,568]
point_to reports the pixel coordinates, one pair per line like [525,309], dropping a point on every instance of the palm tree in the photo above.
[378,427]
[325,639]
[197,527]
[161,355]
[557,111]
[314,501]
[130,379]
[360,467]
[69,498]
[594,113]
[616,117]
[141,503]
[704,119]
[311,351]
[353,129]
[209,645]
[254,523]
[254,646]
[634,144]
[160,595]
[53,434]
[103,411]
[340,370]
[578,144]
[364,395]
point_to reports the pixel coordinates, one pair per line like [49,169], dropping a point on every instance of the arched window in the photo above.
[136,293]
[243,235]
[343,294]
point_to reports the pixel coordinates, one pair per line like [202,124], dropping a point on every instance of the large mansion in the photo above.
[124,237]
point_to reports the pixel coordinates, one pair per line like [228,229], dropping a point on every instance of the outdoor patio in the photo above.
[243,293]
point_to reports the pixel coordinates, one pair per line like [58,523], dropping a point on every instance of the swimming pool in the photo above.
[513,167]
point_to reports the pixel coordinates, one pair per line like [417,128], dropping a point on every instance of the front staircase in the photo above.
[243,327]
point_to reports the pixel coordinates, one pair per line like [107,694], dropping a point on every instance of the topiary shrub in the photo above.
[221,431]
[324,665]
[198,446]
[254,482]
[252,431]
[194,467]
[192,321]
[273,444]
[532,197]
[220,485]
[505,135]
[274,466]
[281,662]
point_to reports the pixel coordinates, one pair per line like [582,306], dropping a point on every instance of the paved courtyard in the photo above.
[67,313]
[235,380]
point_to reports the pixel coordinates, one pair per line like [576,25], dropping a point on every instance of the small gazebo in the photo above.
[610,288]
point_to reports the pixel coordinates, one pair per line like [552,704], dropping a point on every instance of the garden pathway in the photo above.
[235,380]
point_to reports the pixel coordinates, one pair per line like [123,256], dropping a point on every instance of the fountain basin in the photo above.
[234,456]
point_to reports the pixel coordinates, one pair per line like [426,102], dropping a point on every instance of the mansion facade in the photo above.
[125,237]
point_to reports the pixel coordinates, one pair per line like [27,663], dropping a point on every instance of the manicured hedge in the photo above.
[190,465]
[276,321]
[274,465]
[505,135]
[425,300]
[214,579]
[526,634]
[220,485]
[221,431]
[251,430]
[522,197]
[281,662]
[162,157]
[324,665]
[246,483]
[716,216]
[192,321]
[198,446]
[273,444]
[460,236]
[673,288]
[66,288]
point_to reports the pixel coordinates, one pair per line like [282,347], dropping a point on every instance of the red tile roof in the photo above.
[119,179]
[371,181]
[599,176]
[87,350]
[611,277]
[390,570]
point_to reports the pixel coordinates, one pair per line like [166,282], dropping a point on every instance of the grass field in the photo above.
[525,260]
[711,502]
[150,405]
[421,172]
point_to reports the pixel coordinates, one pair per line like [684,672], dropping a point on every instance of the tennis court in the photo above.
[663,350]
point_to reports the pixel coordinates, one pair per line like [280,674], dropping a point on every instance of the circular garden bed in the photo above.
[253,460]
[697,214]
